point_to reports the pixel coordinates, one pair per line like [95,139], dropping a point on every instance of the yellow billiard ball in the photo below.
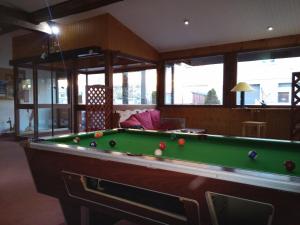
[98,134]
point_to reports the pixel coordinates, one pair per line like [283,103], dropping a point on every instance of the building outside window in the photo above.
[270,75]
[196,81]
[135,88]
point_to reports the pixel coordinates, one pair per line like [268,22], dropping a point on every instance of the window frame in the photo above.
[168,62]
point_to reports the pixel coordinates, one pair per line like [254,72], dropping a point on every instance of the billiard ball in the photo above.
[289,165]
[98,134]
[173,137]
[158,152]
[181,141]
[93,144]
[252,154]
[76,140]
[112,143]
[162,145]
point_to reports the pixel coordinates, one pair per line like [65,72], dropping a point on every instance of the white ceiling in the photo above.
[212,22]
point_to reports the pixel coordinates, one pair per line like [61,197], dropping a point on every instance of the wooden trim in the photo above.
[229,79]
[134,58]
[160,94]
[55,106]
[108,57]
[16,101]
[261,44]
[35,101]
[132,107]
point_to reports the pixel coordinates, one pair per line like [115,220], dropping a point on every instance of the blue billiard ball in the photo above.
[252,154]
[93,144]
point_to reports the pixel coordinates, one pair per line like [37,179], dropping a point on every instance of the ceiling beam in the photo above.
[11,19]
[5,19]
[68,8]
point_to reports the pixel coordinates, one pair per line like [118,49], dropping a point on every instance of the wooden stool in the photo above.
[260,128]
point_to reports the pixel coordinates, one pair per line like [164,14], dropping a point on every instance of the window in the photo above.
[196,81]
[3,87]
[270,75]
[88,79]
[135,88]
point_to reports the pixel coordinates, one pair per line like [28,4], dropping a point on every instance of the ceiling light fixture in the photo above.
[270,28]
[54,29]
[186,22]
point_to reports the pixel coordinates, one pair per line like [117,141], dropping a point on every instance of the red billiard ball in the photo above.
[181,141]
[162,145]
[289,165]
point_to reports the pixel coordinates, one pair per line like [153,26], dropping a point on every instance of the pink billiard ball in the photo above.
[162,145]
[181,141]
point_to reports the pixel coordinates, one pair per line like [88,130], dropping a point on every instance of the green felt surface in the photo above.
[215,150]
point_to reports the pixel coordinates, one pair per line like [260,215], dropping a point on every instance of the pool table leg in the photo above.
[75,214]
[72,213]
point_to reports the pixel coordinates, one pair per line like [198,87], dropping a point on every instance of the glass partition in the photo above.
[26,125]
[25,85]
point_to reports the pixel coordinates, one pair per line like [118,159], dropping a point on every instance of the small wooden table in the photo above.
[261,128]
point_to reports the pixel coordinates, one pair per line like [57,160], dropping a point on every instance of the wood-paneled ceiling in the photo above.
[160,22]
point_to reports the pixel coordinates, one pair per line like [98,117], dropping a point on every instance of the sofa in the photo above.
[151,120]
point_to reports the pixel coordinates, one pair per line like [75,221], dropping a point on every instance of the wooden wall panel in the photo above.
[104,31]
[84,33]
[28,44]
[123,39]
[227,121]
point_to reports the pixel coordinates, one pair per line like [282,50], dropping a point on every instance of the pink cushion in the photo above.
[130,122]
[145,119]
[155,117]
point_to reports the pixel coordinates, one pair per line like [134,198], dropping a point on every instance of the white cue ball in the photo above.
[158,152]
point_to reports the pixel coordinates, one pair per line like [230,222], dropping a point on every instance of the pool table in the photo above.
[208,180]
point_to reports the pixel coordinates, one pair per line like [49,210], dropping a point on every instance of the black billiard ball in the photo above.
[252,154]
[112,143]
[289,165]
[93,144]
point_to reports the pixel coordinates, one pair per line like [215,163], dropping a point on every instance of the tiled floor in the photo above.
[20,204]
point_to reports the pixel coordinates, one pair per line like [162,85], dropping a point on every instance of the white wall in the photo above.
[6,106]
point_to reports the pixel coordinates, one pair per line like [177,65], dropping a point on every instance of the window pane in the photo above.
[25,86]
[270,79]
[26,126]
[81,82]
[44,86]
[60,88]
[135,88]
[45,120]
[197,81]
[96,79]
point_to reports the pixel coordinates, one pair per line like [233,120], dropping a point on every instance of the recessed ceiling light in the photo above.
[270,28]
[186,22]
